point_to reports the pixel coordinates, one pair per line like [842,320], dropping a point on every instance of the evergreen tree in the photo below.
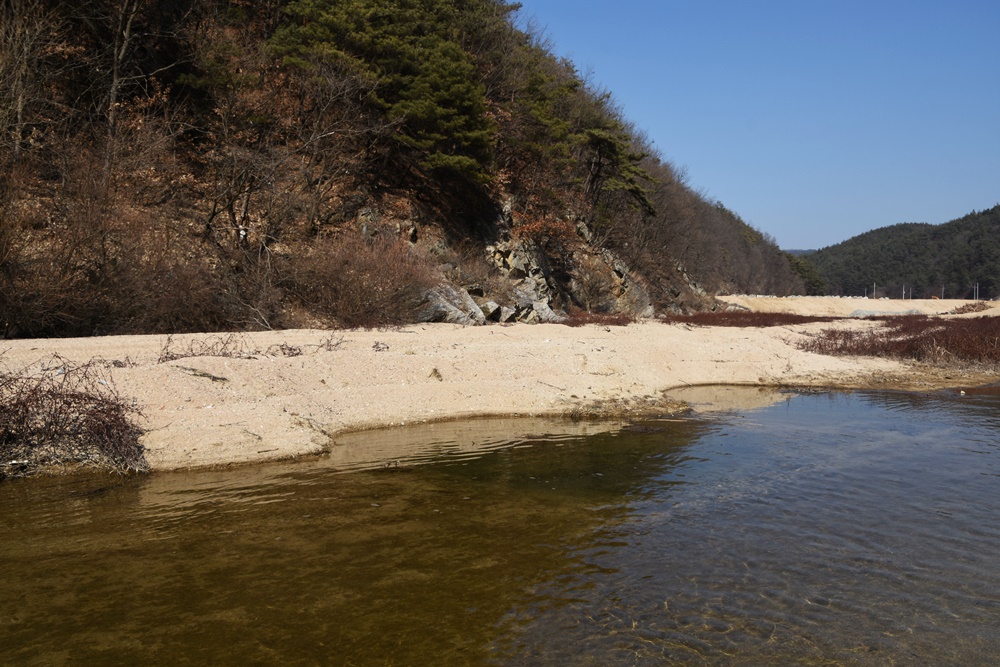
[425,80]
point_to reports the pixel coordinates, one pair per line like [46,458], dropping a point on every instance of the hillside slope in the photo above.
[945,261]
[218,164]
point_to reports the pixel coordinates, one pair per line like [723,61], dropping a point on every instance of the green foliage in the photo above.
[541,99]
[425,80]
[810,275]
[614,166]
[926,259]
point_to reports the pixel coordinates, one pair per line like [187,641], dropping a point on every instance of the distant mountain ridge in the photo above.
[948,260]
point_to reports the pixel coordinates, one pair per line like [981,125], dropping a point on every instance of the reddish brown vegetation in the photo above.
[917,337]
[578,318]
[742,318]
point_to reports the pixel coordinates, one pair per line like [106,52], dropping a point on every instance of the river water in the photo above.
[840,528]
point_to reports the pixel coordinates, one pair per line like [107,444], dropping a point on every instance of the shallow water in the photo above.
[826,529]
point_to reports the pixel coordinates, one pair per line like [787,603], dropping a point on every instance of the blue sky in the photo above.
[814,120]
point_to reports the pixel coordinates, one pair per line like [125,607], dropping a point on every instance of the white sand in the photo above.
[847,307]
[203,411]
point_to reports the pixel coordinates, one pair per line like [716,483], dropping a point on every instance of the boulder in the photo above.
[447,303]
[525,295]
[544,313]
[491,310]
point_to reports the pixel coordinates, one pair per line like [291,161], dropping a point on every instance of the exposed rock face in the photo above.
[447,303]
[521,261]
[592,278]
[603,282]
[632,297]
[526,266]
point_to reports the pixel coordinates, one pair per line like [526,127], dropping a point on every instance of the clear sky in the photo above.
[814,120]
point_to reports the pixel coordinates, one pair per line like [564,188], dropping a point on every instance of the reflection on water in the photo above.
[451,440]
[728,398]
[825,529]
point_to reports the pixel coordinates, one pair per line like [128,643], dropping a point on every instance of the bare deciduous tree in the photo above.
[29,34]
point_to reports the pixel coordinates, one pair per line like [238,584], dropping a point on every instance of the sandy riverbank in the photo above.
[206,410]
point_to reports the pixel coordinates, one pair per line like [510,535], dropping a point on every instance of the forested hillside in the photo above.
[186,165]
[929,260]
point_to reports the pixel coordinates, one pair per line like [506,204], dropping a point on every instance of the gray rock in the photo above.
[635,300]
[544,313]
[507,314]
[491,310]
[525,295]
[447,303]
[517,267]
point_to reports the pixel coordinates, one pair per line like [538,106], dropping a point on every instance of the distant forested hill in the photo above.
[930,260]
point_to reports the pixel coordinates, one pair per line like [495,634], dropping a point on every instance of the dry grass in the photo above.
[63,414]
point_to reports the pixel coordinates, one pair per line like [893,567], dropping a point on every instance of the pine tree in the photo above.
[425,80]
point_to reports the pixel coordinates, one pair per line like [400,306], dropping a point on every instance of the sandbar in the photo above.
[291,393]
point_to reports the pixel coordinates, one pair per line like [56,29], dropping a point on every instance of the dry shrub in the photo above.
[81,260]
[41,292]
[170,295]
[594,284]
[474,270]
[11,261]
[917,337]
[238,346]
[125,274]
[65,413]
[360,282]
[977,307]
[232,346]
[249,289]
[158,285]
[547,231]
